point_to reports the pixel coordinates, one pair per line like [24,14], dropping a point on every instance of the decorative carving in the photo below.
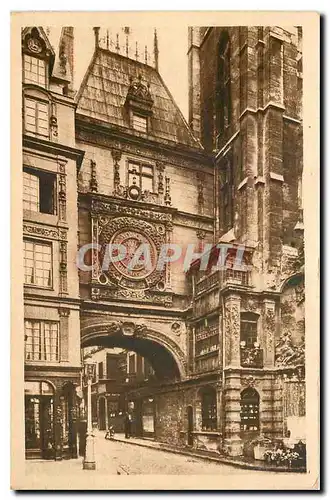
[232,331]
[34,43]
[63,267]
[201,233]
[200,189]
[176,327]
[195,223]
[288,354]
[93,180]
[45,232]
[300,292]
[139,91]
[269,326]
[161,169]
[251,357]
[116,155]
[84,135]
[62,192]
[167,197]
[63,312]
[99,207]
[149,296]
[249,381]
[53,125]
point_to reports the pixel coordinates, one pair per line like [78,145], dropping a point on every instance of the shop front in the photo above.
[50,420]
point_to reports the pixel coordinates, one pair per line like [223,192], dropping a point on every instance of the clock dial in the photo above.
[132,241]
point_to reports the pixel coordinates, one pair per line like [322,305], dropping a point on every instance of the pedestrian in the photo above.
[128,425]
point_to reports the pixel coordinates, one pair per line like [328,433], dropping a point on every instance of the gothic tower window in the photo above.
[223,85]
[226,186]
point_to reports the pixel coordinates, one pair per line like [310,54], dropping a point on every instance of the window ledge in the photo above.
[31,216]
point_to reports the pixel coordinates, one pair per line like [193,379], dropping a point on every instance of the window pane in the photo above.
[36,117]
[41,341]
[140,123]
[147,184]
[30,191]
[37,264]
[34,71]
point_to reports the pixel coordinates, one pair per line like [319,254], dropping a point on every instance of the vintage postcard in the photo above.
[165,214]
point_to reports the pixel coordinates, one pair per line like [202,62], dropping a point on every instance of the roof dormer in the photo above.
[38,57]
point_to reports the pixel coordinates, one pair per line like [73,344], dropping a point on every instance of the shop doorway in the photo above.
[39,420]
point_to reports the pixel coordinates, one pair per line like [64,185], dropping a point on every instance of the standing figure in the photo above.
[128,425]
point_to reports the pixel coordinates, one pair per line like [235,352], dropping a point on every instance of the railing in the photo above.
[222,278]
[252,357]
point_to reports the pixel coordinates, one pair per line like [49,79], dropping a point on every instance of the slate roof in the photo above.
[104,89]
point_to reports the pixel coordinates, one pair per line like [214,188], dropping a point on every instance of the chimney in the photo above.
[66,46]
[194,81]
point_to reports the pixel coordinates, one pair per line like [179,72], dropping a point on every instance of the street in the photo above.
[114,457]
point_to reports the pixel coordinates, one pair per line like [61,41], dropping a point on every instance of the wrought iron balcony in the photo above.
[252,357]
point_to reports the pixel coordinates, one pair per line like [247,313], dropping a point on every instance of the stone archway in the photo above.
[164,354]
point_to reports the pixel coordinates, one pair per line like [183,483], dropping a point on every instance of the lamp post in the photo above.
[89,459]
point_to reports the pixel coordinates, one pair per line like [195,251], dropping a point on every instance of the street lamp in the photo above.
[89,459]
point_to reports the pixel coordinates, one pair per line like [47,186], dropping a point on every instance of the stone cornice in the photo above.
[98,131]
[53,148]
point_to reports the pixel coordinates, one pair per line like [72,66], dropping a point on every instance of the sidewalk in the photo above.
[240,462]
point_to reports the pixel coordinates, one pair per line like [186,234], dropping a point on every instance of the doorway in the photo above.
[39,420]
[102,422]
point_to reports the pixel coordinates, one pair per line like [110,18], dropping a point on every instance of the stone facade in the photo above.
[226,346]
[51,285]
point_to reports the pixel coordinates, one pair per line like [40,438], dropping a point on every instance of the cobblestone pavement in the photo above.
[113,457]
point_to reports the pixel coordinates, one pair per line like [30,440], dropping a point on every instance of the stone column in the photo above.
[58,421]
[232,443]
[268,327]
[232,331]
[74,411]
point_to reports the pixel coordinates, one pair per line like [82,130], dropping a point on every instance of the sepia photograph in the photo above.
[162,251]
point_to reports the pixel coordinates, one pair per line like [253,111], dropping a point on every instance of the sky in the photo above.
[172,44]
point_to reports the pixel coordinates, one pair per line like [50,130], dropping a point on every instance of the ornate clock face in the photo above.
[145,261]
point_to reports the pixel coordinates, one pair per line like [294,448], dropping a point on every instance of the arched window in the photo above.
[249,410]
[223,85]
[209,408]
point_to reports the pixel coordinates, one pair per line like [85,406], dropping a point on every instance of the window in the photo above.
[34,70]
[209,409]
[36,117]
[249,410]
[226,198]
[41,340]
[140,123]
[131,363]
[141,175]
[101,370]
[38,264]
[39,191]
[249,330]
[223,85]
